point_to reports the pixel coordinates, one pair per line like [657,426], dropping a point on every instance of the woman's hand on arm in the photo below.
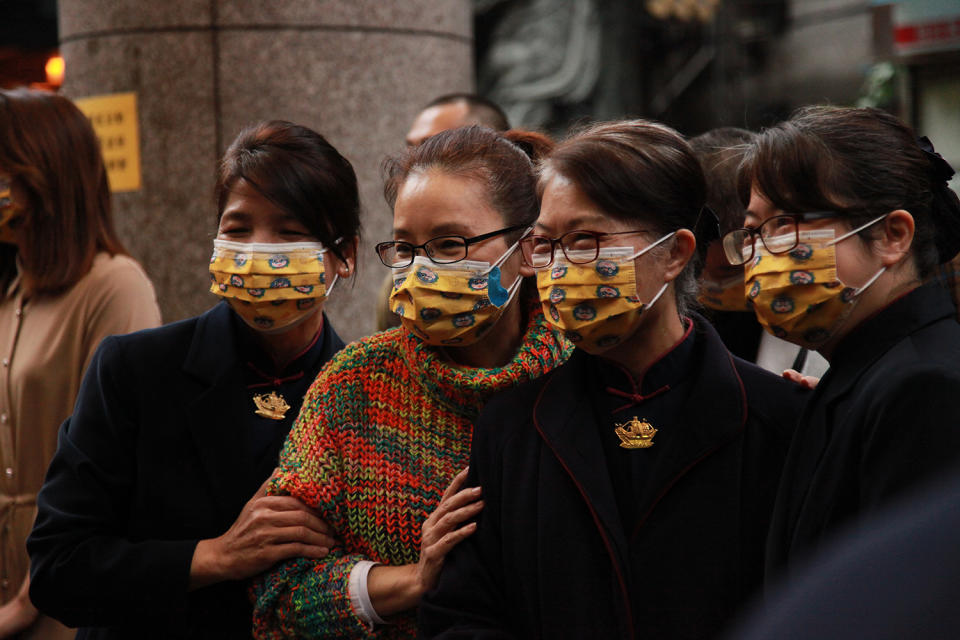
[393,589]
[808,382]
[19,613]
[268,530]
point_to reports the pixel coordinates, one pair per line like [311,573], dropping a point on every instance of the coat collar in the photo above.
[564,417]
[213,360]
[873,337]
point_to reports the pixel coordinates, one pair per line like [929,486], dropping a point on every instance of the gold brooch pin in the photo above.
[271,405]
[636,434]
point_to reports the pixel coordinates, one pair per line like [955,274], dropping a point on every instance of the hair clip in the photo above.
[942,171]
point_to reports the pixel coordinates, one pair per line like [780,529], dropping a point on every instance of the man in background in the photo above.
[455,110]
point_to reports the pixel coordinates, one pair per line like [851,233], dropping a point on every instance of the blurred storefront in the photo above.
[920,41]
[700,64]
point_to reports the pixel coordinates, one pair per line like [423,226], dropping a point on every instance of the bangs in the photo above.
[796,172]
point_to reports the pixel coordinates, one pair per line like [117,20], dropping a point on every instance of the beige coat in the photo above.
[46,343]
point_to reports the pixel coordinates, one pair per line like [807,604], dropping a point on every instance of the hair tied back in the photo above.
[941,169]
[945,207]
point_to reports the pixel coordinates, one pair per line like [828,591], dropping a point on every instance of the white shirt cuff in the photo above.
[360,597]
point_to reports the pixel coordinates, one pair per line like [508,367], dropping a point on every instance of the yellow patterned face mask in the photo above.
[273,287]
[451,304]
[723,295]
[8,210]
[595,304]
[797,295]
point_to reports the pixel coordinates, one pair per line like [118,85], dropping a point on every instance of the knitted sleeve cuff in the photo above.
[305,598]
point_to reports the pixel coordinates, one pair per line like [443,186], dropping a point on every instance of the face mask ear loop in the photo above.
[513,290]
[656,297]
[328,290]
[857,230]
[651,246]
[508,252]
[860,290]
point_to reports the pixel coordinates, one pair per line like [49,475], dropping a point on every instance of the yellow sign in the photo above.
[114,120]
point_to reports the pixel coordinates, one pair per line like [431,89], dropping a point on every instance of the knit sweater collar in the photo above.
[464,389]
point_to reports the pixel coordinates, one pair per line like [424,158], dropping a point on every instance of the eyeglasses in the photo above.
[578,246]
[738,244]
[397,254]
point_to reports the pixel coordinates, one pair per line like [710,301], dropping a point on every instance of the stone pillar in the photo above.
[357,71]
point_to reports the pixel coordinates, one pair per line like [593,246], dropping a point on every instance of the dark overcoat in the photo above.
[149,464]
[885,417]
[550,558]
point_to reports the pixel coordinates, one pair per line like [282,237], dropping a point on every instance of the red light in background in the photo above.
[55,69]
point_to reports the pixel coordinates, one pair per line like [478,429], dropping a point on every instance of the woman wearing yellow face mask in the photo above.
[848,214]
[626,493]
[153,516]
[387,425]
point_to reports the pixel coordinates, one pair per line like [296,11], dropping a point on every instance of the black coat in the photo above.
[551,558]
[885,416]
[150,463]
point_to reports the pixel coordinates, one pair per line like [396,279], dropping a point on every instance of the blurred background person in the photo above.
[455,110]
[446,112]
[722,291]
[887,577]
[66,282]
[721,284]
[387,425]
[848,216]
[146,524]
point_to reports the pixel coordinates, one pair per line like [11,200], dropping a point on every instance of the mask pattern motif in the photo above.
[797,295]
[723,295]
[271,286]
[450,304]
[8,211]
[595,304]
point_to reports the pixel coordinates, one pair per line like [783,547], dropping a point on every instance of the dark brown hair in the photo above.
[503,162]
[50,151]
[720,152]
[638,171]
[861,163]
[299,171]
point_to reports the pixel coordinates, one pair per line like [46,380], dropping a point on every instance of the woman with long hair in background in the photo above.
[66,282]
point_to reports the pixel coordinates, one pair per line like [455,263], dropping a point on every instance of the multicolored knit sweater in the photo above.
[381,434]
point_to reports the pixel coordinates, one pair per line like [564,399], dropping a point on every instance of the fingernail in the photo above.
[476,491]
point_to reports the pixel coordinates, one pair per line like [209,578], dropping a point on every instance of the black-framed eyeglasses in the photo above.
[397,254]
[579,247]
[785,229]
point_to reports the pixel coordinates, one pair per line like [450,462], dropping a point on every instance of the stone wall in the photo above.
[357,71]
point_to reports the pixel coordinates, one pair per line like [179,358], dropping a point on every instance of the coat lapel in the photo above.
[214,413]
[565,419]
[714,415]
